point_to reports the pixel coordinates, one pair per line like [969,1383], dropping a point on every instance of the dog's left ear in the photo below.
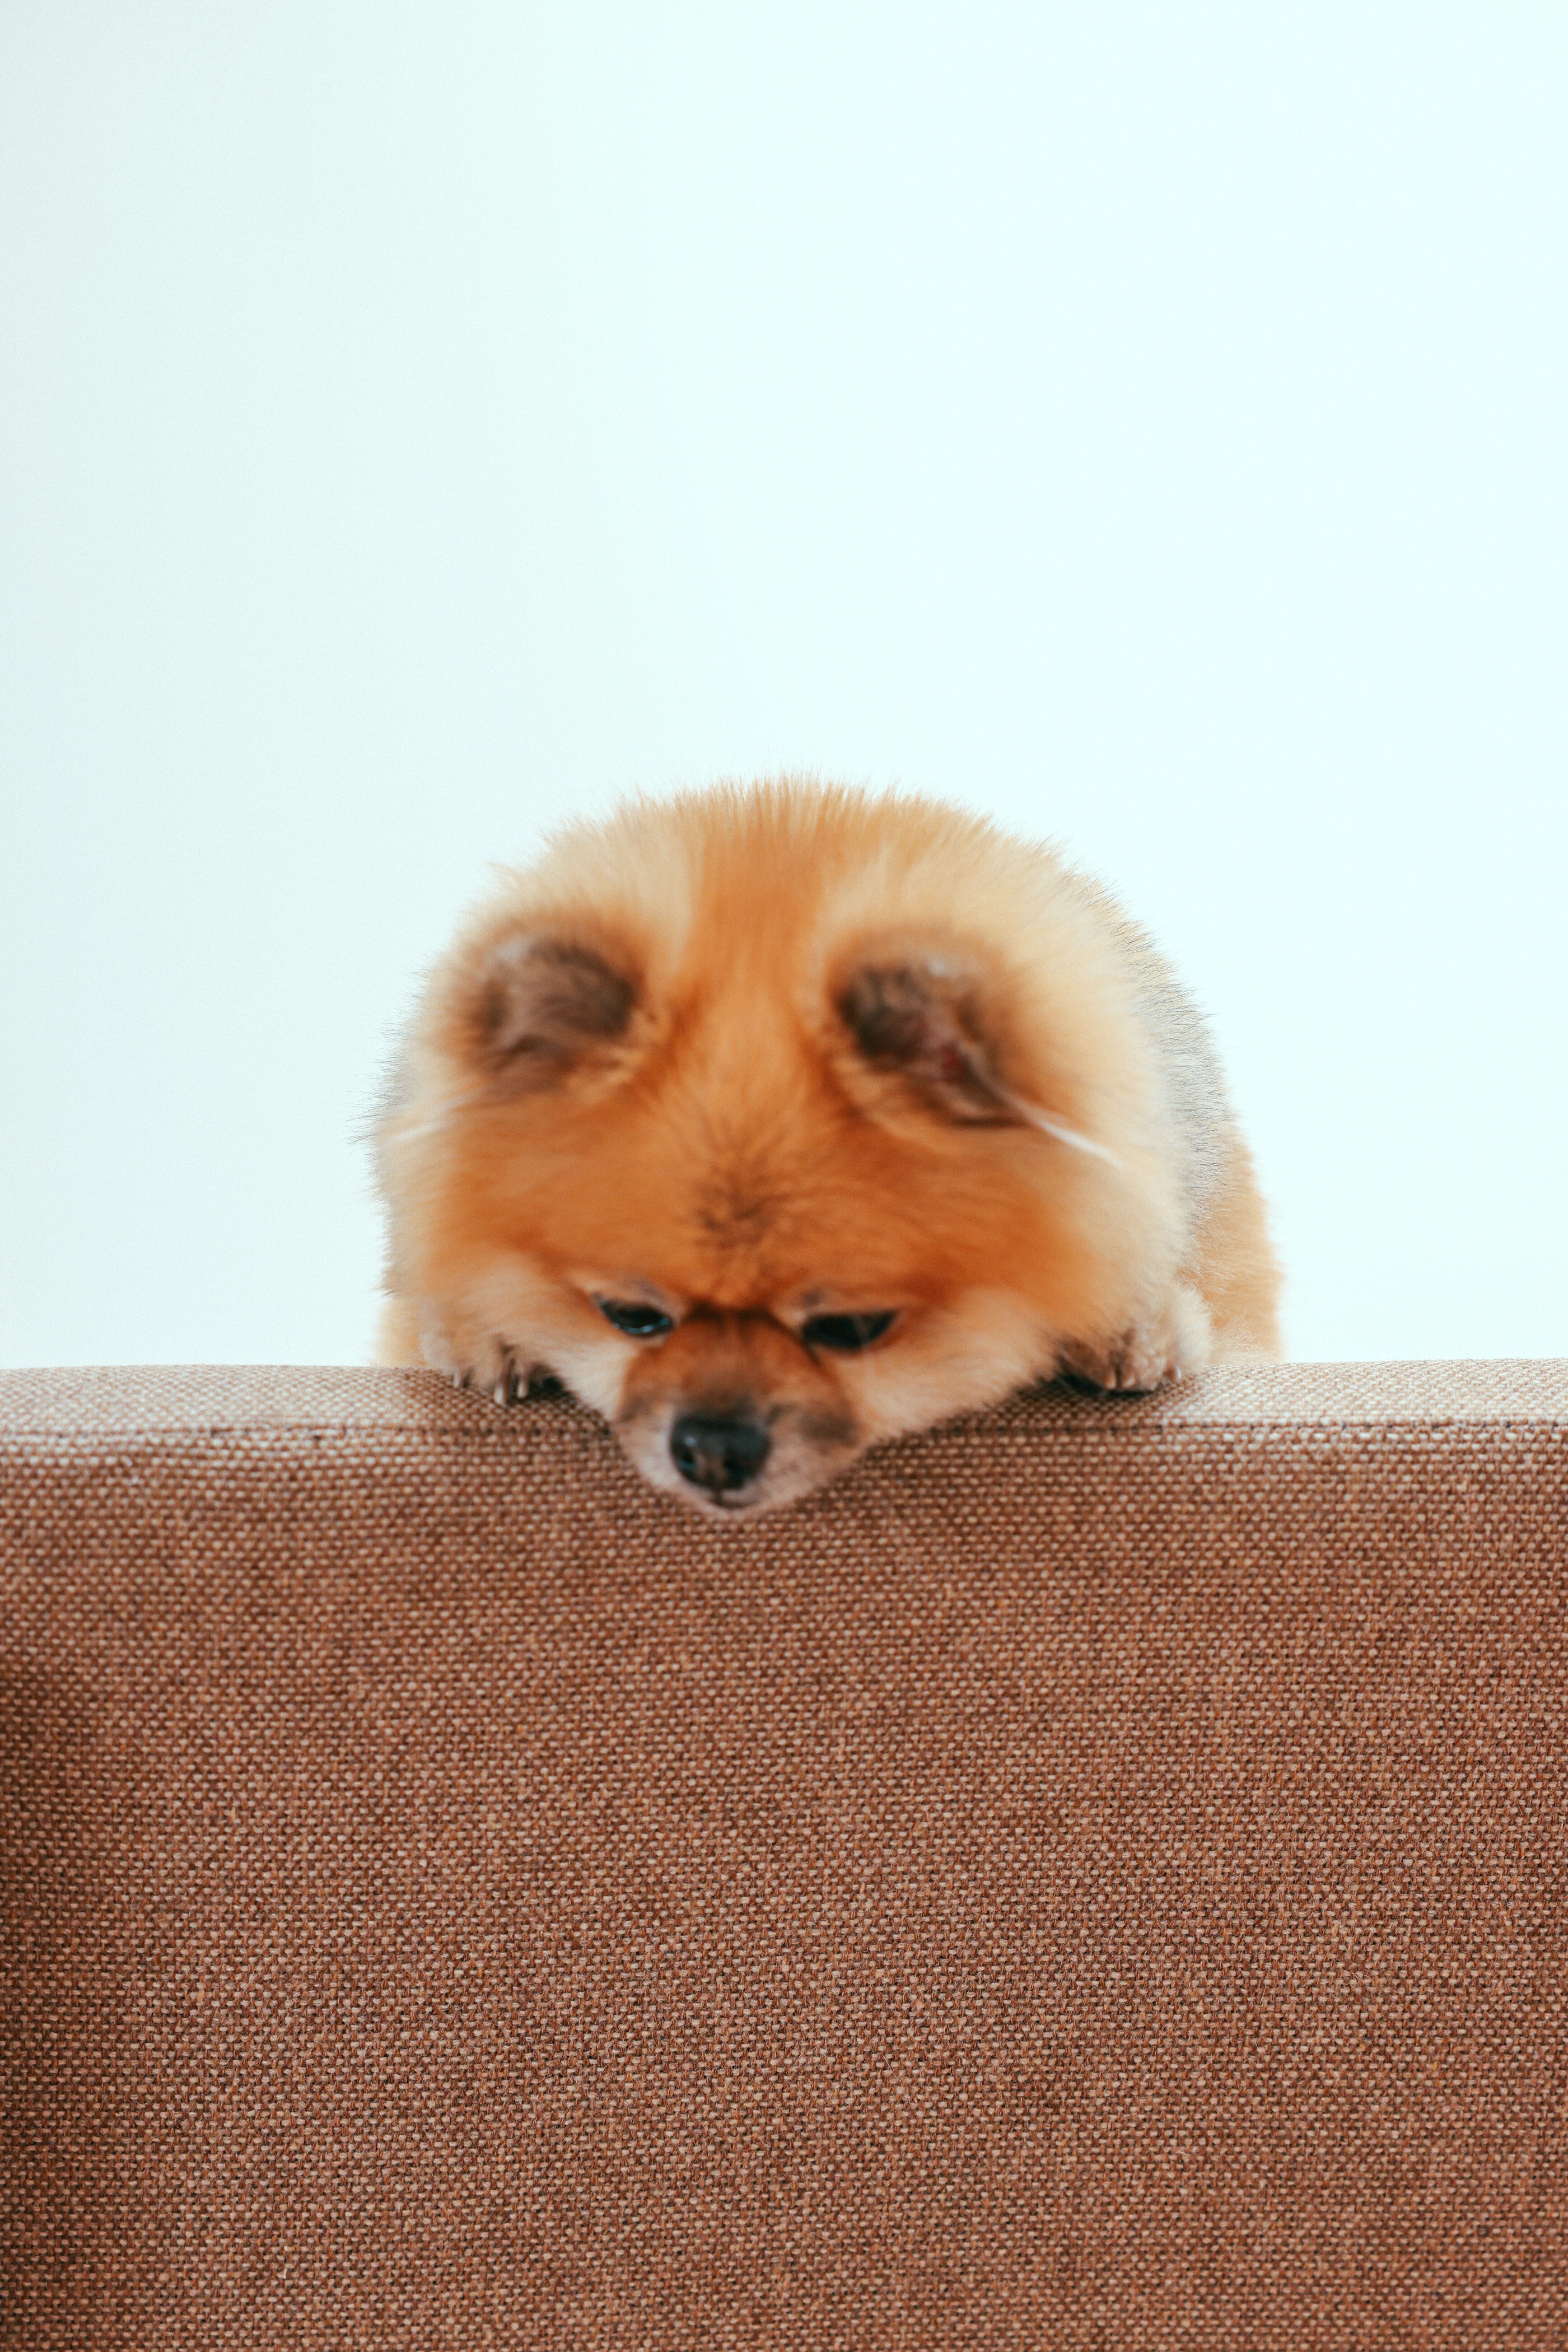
[926,1020]
[542,1004]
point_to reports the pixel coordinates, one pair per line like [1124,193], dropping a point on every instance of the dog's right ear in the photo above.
[541,1004]
[927,1021]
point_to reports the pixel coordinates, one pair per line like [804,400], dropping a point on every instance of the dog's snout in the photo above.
[716,1451]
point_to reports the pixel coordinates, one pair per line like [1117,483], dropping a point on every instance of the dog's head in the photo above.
[764,1179]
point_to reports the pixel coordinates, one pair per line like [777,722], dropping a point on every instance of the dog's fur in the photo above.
[755,1057]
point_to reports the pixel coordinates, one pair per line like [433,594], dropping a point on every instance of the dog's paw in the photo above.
[495,1374]
[482,1362]
[1158,1347]
[500,1376]
[512,1383]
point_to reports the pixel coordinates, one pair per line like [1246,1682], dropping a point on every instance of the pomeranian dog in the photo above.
[777,1121]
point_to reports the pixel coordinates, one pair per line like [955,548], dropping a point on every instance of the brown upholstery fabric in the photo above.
[1094,1878]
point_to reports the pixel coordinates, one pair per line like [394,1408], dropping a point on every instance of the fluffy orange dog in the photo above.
[777,1121]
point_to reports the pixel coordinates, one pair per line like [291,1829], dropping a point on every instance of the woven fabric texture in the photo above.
[1093,1877]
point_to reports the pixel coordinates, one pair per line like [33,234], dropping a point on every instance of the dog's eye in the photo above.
[637,1321]
[846,1333]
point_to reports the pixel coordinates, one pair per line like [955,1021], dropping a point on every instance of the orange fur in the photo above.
[756,1055]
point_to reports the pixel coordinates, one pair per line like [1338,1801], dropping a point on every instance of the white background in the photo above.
[423,418]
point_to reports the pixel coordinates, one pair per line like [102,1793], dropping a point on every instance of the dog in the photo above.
[777,1120]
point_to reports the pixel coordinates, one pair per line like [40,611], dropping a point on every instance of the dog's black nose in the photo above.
[715,1452]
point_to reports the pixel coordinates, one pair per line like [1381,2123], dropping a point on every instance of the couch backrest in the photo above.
[1094,1876]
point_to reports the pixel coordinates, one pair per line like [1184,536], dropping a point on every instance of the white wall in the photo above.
[423,418]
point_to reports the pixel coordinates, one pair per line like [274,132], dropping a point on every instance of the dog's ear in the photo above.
[541,1004]
[928,1020]
[923,1021]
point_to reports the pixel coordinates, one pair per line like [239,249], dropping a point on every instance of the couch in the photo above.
[1094,1876]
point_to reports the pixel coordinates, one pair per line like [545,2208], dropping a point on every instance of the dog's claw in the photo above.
[510,1385]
